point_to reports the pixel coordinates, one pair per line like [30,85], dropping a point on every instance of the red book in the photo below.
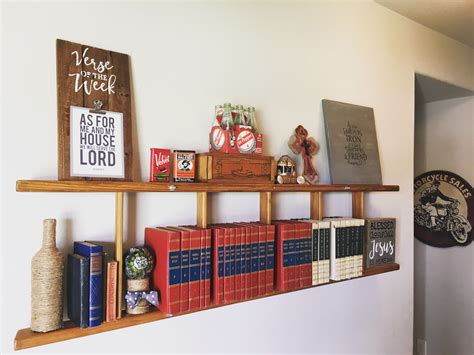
[185,243]
[207,281]
[247,260]
[254,261]
[165,244]
[192,238]
[243,260]
[218,258]
[262,258]
[238,262]
[297,254]
[269,273]
[282,260]
[307,266]
[202,274]
[229,281]
[195,270]
[111,292]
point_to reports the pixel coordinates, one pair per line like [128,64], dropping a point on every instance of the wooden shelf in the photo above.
[113,186]
[25,338]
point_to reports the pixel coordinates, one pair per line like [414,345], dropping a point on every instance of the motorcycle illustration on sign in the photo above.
[442,202]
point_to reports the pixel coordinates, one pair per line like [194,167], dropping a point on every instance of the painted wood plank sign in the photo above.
[94,113]
[443,209]
[379,241]
[352,143]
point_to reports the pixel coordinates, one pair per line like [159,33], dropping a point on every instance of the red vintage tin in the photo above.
[160,167]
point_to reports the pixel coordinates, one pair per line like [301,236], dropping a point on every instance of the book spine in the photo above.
[219,269]
[96,299]
[269,273]
[78,290]
[248,262]
[194,270]
[262,258]
[207,282]
[228,284]
[255,261]
[166,277]
[315,254]
[242,260]
[111,293]
[308,260]
[238,262]
[185,262]
[203,265]
[292,280]
[362,242]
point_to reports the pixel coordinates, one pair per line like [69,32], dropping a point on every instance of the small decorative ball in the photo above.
[138,263]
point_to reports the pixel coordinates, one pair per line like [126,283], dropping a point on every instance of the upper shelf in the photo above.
[131,186]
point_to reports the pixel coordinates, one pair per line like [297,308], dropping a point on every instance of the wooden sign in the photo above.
[352,143]
[443,209]
[379,241]
[102,145]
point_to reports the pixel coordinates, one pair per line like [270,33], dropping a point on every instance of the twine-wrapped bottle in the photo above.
[47,271]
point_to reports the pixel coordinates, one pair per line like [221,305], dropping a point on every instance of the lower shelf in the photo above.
[25,338]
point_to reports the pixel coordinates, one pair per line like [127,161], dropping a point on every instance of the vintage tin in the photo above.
[160,167]
[184,165]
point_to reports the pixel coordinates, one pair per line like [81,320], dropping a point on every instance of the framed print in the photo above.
[96,139]
[86,76]
[352,143]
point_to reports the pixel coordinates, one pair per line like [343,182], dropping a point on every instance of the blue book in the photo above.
[96,297]
[78,289]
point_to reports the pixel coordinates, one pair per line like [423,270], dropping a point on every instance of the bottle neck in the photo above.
[49,233]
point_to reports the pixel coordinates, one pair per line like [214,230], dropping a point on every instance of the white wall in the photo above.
[444,285]
[283,57]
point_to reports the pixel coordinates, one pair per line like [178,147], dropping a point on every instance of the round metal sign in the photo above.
[443,209]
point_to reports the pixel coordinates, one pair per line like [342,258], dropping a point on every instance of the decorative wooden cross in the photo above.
[300,143]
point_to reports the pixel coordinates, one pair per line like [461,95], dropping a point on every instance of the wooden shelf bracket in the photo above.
[266,207]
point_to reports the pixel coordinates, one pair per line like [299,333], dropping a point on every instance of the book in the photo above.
[218,258]
[254,254]
[194,270]
[207,281]
[315,253]
[185,256]
[229,266]
[78,289]
[203,265]
[96,298]
[238,262]
[269,273]
[307,266]
[111,291]
[282,263]
[262,258]
[166,276]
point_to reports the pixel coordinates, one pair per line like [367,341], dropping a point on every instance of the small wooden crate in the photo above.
[237,168]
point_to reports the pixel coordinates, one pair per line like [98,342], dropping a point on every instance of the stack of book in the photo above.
[320,247]
[91,285]
[294,251]
[243,260]
[346,247]
[182,274]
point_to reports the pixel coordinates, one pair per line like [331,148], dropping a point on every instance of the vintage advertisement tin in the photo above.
[160,167]
[184,165]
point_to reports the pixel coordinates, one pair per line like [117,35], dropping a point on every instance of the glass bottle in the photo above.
[240,119]
[227,122]
[47,271]
[252,120]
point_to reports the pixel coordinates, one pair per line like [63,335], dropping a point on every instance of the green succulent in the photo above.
[138,263]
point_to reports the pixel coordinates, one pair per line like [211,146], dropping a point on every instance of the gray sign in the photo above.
[352,143]
[380,241]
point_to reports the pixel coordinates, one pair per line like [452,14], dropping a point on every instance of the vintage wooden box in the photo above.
[239,168]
